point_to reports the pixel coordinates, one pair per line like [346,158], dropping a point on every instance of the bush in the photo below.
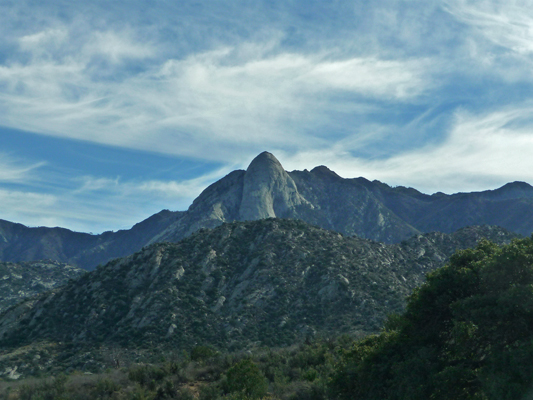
[50,390]
[145,374]
[202,353]
[245,378]
[105,387]
[209,392]
[467,334]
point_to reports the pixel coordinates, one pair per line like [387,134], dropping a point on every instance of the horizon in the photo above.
[110,112]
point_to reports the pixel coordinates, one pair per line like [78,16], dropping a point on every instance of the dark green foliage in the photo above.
[296,373]
[49,390]
[246,378]
[269,282]
[105,388]
[146,374]
[209,392]
[466,334]
[202,353]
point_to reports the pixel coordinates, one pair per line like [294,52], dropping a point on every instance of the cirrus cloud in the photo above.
[232,96]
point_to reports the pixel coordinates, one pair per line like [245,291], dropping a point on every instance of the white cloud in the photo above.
[314,91]
[176,192]
[15,201]
[233,97]
[482,151]
[92,184]
[117,47]
[27,207]
[48,40]
[506,23]
[372,77]
[15,171]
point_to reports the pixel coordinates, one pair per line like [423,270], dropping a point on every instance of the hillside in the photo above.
[269,282]
[23,280]
[19,243]
[371,210]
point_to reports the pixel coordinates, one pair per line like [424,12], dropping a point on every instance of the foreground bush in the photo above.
[467,334]
[245,379]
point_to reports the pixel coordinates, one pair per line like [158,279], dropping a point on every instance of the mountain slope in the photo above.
[270,281]
[23,280]
[19,243]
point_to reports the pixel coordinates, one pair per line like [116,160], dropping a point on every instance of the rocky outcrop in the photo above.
[264,190]
[368,209]
[268,191]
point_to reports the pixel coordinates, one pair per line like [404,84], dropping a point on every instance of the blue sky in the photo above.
[111,111]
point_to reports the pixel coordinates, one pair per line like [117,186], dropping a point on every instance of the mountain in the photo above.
[23,280]
[19,243]
[265,282]
[357,206]
[368,209]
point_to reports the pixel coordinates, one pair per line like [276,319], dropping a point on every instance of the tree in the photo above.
[246,379]
[467,333]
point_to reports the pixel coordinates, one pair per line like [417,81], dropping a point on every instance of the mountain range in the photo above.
[368,209]
[267,282]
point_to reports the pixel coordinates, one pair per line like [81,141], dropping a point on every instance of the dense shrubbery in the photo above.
[466,334]
[296,373]
[245,380]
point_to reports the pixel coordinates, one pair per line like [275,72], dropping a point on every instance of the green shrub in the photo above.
[246,378]
[202,353]
[145,374]
[140,393]
[49,390]
[105,388]
[209,392]
[467,334]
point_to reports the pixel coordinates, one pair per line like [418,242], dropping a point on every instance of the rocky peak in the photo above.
[268,190]
[513,190]
[264,161]
[324,172]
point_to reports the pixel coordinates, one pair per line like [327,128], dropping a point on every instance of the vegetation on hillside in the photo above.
[239,286]
[297,372]
[467,334]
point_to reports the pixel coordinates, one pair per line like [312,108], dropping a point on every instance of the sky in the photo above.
[111,111]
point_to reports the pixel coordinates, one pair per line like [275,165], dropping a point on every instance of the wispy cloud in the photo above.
[16,171]
[98,204]
[27,207]
[236,97]
[180,193]
[506,23]
[434,95]
[482,151]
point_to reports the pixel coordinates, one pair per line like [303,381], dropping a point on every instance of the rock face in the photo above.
[371,210]
[244,283]
[268,191]
[264,190]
